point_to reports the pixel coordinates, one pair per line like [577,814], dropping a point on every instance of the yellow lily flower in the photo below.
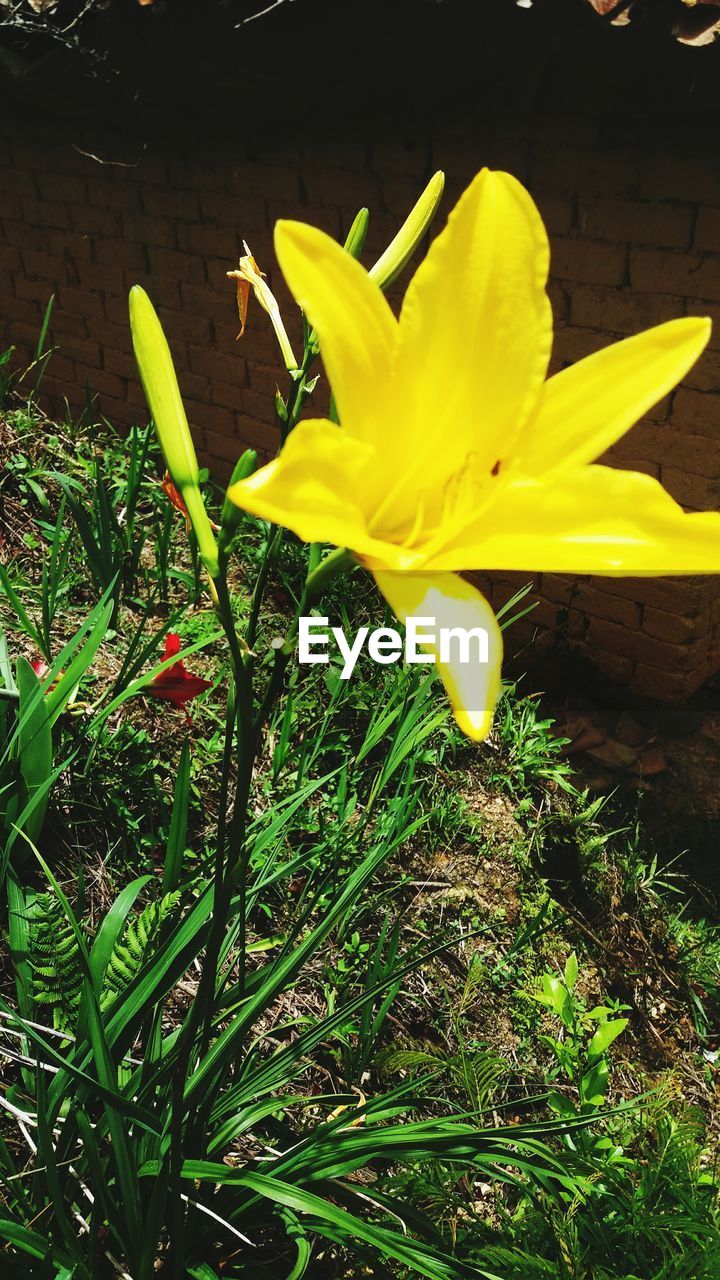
[455,452]
[247,276]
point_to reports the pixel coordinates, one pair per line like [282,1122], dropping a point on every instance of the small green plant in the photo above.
[529,753]
[580,1049]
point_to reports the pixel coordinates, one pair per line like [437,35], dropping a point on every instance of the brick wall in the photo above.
[635,228]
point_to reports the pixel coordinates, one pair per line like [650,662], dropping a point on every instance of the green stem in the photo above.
[274,538]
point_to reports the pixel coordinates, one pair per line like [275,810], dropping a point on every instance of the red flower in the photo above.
[175,684]
[41,669]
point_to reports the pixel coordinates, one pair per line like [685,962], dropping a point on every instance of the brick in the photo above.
[107,278]
[170,264]
[242,212]
[179,206]
[705,374]
[613,665]
[687,595]
[689,275]
[265,378]
[46,213]
[19,184]
[621,311]
[119,253]
[461,158]
[113,193]
[696,179]
[588,171]
[202,301]
[409,158]
[561,588]
[696,411]
[194,386]
[70,245]
[695,492]
[223,446]
[645,442]
[548,126]
[646,466]
[557,211]
[82,349]
[635,222]
[43,265]
[57,365]
[164,291]
[99,381]
[211,417]
[209,240]
[224,393]
[260,408]
[55,391]
[266,181]
[136,396]
[143,228]
[672,627]
[9,259]
[80,302]
[121,412]
[559,303]
[10,205]
[67,188]
[599,604]
[258,342]
[111,335]
[699,455]
[216,364]
[713,312]
[181,326]
[399,195]
[64,324]
[120,363]
[20,309]
[664,686]
[98,222]
[258,435]
[23,236]
[707,229]
[611,638]
[331,219]
[587,261]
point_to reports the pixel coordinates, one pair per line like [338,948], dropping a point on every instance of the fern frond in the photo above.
[55,961]
[135,946]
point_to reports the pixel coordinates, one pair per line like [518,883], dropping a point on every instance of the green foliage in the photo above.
[134,947]
[56,961]
[57,976]
[529,753]
[294,1041]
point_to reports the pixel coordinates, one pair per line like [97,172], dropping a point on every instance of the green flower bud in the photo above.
[356,236]
[160,384]
[232,515]
[402,247]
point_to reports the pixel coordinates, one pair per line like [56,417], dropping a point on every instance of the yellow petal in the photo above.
[355,326]
[315,487]
[588,520]
[475,336]
[588,406]
[473,686]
